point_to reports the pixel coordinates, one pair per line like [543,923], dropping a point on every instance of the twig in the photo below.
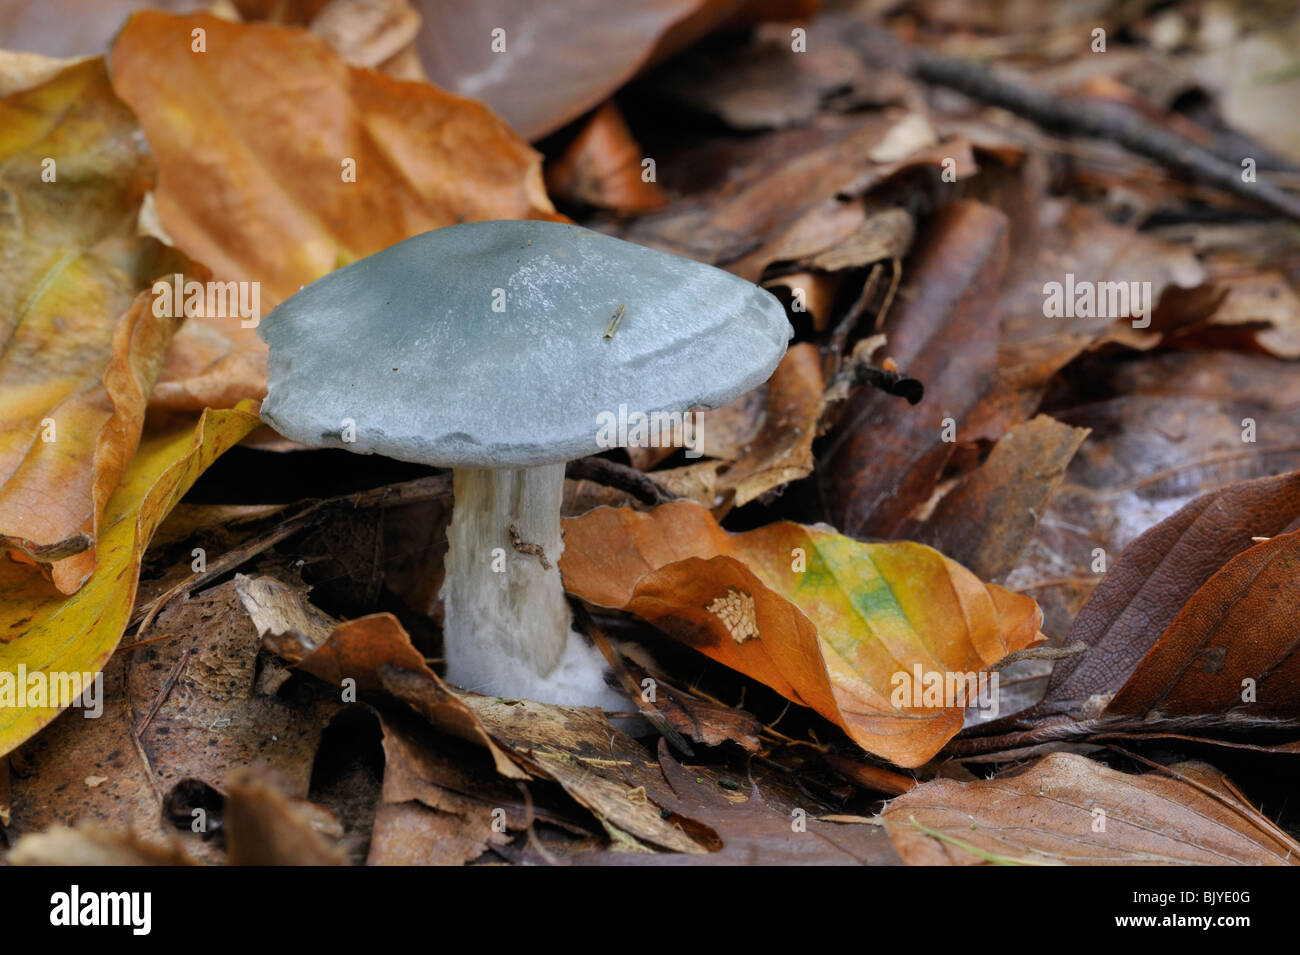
[1041,653]
[165,691]
[620,477]
[1129,130]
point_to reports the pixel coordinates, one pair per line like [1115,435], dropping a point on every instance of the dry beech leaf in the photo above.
[599,766]
[90,844]
[986,520]
[1238,631]
[832,635]
[81,345]
[1046,814]
[602,167]
[758,442]
[375,651]
[267,826]
[1153,580]
[559,60]
[48,633]
[872,476]
[276,207]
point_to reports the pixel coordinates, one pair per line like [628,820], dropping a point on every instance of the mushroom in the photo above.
[503,350]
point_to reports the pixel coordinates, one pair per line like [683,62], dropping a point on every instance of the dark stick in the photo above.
[619,476]
[1063,115]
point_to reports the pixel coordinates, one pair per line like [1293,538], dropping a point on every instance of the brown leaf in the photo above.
[764,84]
[986,520]
[1239,627]
[200,707]
[601,767]
[82,345]
[266,826]
[1067,238]
[376,652]
[423,159]
[753,828]
[884,458]
[1155,577]
[833,634]
[758,442]
[602,168]
[1049,813]
[558,61]
[755,204]
[1163,431]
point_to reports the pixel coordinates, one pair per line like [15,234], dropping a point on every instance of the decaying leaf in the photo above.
[93,845]
[758,442]
[598,765]
[48,634]
[266,826]
[1232,648]
[1068,810]
[349,163]
[831,623]
[82,345]
[603,167]
[1154,579]
[986,520]
[943,334]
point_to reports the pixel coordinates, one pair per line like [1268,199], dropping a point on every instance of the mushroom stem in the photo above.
[506,623]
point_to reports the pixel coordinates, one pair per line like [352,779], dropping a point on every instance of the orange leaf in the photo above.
[306,164]
[81,344]
[829,622]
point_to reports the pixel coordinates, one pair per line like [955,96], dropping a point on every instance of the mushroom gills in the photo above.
[507,627]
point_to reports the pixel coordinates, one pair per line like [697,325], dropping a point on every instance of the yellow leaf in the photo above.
[55,636]
[80,347]
[827,621]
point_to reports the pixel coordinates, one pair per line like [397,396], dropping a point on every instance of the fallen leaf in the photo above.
[758,442]
[82,346]
[836,635]
[422,159]
[765,84]
[375,651]
[266,826]
[93,845]
[1047,813]
[77,635]
[602,167]
[986,520]
[550,64]
[760,191]
[1231,649]
[1164,430]
[598,765]
[751,829]
[883,458]
[1153,580]
[1067,238]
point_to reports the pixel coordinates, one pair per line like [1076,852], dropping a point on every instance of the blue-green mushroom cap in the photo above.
[502,344]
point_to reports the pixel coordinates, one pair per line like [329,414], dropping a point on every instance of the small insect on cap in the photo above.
[501,345]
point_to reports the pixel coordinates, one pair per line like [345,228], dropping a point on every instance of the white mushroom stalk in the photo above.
[496,349]
[507,626]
